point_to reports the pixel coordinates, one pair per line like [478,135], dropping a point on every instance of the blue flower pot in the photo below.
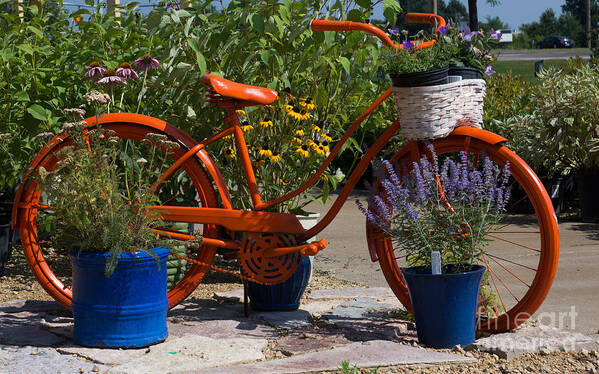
[283,296]
[127,309]
[444,305]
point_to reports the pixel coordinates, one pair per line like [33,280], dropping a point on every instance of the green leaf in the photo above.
[36,31]
[26,48]
[355,15]
[38,112]
[21,96]
[258,23]
[345,63]
[390,10]
[265,56]
[364,3]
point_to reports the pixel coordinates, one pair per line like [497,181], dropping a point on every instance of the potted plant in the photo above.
[99,192]
[412,66]
[468,52]
[443,206]
[298,142]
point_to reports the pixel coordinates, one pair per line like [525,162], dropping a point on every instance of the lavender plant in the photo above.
[448,207]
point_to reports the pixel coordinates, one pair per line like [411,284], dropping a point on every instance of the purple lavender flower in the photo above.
[443,30]
[111,80]
[95,71]
[394,30]
[489,71]
[411,212]
[126,72]
[419,182]
[146,63]
[495,35]
[407,45]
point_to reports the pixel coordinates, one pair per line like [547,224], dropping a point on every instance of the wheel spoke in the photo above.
[504,285]
[511,262]
[514,275]
[494,284]
[514,243]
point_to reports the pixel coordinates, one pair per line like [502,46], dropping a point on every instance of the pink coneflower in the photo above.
[95,71]
[126,72]
[111,79]
[146,63]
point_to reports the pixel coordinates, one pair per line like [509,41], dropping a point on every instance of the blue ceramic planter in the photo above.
[127,309]
[444,305]
[282,296]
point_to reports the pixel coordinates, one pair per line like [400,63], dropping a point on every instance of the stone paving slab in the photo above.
[543,339]
[352,293]
[222,329]
[27,360]
[368,354]
[284,320]
[191,353]
[22,335]
[35,306]
[103,355]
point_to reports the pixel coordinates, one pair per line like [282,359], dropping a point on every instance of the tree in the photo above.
[454,10]
[548,24]
[493,23]
[578,9]
[473,12]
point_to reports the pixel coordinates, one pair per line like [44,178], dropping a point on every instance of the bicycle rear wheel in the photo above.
[522,256]
[51,265]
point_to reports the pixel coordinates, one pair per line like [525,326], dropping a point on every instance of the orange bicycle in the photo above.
[521,266]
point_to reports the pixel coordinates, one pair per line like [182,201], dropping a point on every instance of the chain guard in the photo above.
[271,270]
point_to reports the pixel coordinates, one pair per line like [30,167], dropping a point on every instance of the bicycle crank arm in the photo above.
[308,249]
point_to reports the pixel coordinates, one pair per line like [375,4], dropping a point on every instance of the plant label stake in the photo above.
[436,262]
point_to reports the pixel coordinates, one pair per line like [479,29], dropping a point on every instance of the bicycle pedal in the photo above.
[310,249]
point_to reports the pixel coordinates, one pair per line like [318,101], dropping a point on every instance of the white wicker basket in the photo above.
[433,112]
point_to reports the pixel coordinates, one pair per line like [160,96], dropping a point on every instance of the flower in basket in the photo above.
[440,205]
[413,59]
[470,48]
[287,142]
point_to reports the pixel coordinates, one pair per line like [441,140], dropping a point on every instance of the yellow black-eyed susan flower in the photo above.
[315,127]
[230,153]
[318,148]
[267,122]
[287,91]
[324,177]
[311,144]
[246,126]
[258,163]
[296,140]
[303,151]
[325,146]
[241,112]
[299,132]
[275,157]
[297,113]
[307,103]
[282,181]
[265,152]
[326,137]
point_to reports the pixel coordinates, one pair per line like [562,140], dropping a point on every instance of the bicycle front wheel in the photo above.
[189,185]
[522,255]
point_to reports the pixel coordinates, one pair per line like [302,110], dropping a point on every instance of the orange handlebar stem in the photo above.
[330,25]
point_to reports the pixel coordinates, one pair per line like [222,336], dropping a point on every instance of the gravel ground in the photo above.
[19,283]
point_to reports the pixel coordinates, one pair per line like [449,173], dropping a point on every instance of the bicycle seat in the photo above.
[250,95]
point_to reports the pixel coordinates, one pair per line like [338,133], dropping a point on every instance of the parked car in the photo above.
[556,42]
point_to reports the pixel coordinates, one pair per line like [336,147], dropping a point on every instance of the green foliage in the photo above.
[563,129]
[549,25]
[346,368]
[507,95]
[266,43]
[404,61]
[471,49]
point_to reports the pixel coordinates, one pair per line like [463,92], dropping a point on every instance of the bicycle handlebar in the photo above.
[330,25]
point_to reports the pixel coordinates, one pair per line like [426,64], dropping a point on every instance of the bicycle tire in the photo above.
[135,129]
[547,238]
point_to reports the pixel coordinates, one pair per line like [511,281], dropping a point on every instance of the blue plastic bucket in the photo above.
[444,305]
[282,296]
[127,309]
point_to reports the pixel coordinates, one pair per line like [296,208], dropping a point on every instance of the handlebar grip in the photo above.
[425,18]
[328,25]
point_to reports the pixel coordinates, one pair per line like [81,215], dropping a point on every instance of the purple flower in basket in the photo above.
[495,35]
[489,71]
[443,30]
[408,45]
[394,30]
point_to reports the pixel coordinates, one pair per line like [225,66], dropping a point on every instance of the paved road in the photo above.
[549,55]
[576,283]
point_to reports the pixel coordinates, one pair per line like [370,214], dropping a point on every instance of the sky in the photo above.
[512,12]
